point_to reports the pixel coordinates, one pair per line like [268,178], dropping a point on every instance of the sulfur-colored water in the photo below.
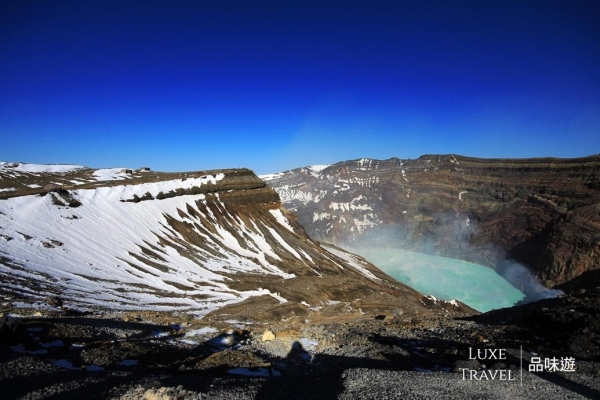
[446,278]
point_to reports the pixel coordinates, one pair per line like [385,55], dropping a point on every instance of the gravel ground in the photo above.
[103,355]
[376,384]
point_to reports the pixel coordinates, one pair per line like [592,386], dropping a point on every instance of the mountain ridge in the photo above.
[333,327]
[542,212]
[213,242]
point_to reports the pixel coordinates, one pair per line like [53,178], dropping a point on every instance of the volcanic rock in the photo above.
[543,212]
[217,243]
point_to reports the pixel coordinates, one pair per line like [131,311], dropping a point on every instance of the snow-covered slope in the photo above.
[331,205]
[20,168]
[96,248]
[15,177]
[196,243]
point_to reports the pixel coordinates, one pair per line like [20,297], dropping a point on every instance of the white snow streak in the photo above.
[281,219]
[352,260]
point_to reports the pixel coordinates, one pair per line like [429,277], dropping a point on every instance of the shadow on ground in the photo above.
[85,359]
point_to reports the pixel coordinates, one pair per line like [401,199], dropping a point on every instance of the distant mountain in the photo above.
[544,212]
[209,242]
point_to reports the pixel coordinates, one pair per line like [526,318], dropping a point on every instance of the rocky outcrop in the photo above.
[544,213]
[567,324]
[214,243]
[135,355]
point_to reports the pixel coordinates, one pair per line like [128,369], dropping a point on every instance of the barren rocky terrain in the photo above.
[543,212]
[202,285]
[55,354]
[205,242]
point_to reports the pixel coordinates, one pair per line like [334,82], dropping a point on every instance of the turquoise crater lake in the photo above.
[476,285]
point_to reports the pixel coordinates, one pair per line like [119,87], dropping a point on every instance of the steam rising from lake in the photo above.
[478,286]
[522,279]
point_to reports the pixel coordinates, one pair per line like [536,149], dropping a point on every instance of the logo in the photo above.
[536,364]
[488,375]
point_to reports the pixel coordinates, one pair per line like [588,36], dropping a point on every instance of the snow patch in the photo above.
[207,330]
[352,205]
[110,174]
[282,219]
[309,344]
[364,164]
[316,169]
[40,168]
[320,216]
[352,260]
[270,177]
[283,243]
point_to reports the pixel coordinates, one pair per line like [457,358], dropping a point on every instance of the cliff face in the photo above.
[544,213]
[208,242]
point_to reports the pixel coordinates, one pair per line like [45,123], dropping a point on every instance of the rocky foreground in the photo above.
[53,353]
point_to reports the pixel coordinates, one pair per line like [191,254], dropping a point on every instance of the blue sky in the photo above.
[274,85]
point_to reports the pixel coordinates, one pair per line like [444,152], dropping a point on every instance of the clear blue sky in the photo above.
[274,85]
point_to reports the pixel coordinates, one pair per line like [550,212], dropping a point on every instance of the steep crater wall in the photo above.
[544,213]
[219,244]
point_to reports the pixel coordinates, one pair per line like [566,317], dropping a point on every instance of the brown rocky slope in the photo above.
[544,212]
[216,243]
